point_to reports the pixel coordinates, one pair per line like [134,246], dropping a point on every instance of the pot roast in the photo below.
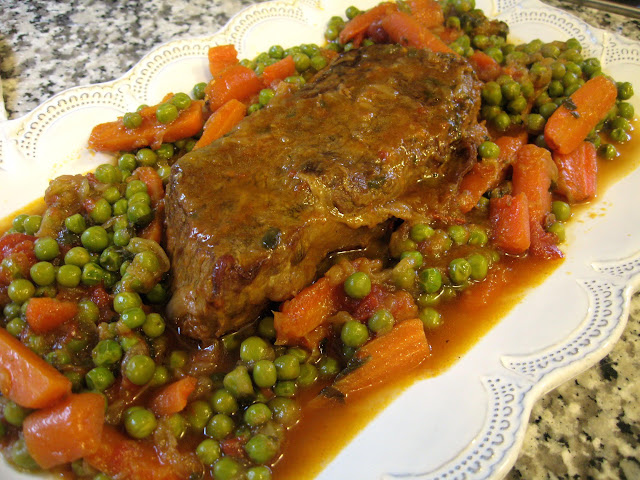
[383,132]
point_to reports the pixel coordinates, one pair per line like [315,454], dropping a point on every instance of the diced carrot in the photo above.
[26,378]
[404,348]
[276,72]
[122,457]
[236,82]
[173,397]
[114,136]
[307,310]
[67,431]
[222,57]
[221,122]
[485,66]
[428,12]
[567,127]
[360,23]
[510,229]
[577,173]
[406,30]
[44,314]
[533,172]
[155,229]
[150,177]
[488,173]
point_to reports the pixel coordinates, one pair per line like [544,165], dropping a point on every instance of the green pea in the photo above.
[264,374]
[257,414]
[331,33]
[415,258]
[11,310]
[69,276]
[139,197]
[139,369]
[265,95]
[14,414]
[92,274]
[18,222]
[459,271]
[88,311]
[133,317]
[21,290]
[166,113]
[502,121]
[626,110]
[253,349]
[430,317]
[153,325]
[477,236]
[276,51]
[198,414]
[121,238]
[608,151]
[220,426]
[132,120]
[495,53]
[178,358]
[328,366]
[111,259]
[43,273]
[238,382]
[488,149]
[492,93]
[308,375]
[381,321]
[139,213]
[157,294]
[20,457]
[208,451]
[556,87]
[286,388]
[479,266]
[31,224]
[178,425]
[259,472]
[302,61]
[181,101]
[16,326]
[430,280]
[619,135]
[489,112]
[318,62]
[403,278]
[535,123]
[420,232]
[46,248]
[111,195]
[125,300]
[199,90]
[620,122]
[261,448]
[300,353]
[287,367]
[37,343]
[510,90]
[517,105]
[226,468]
[106,353]
[161,376]
[99,378]
[254,107]
[357,285]
[459,234]
[95,239]
[547,109]
[146,157]
[625,90]
[224,402]
[453,22]
[354,334]
[127,161]
[139,422]
[107,173]
[58,357]
[120,207]
[295,80]
[561,210]
[558,229]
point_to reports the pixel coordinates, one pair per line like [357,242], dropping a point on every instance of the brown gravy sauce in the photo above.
[319,437]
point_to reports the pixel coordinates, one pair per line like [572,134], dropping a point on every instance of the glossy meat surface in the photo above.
[384,132]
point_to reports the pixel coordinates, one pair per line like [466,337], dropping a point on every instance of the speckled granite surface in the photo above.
[586,428]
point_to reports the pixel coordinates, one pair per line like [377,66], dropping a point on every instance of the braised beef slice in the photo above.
[383,132]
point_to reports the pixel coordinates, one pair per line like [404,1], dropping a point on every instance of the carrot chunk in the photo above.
[533,172]
[577,173]
[488,173]
[510,228]
[567,128]
[155,188]
[26,378]
[359,24]
[404,348]
[121,457]
[276,72]
[222,57]
[65,432]
[428,12]
[44,314]
[221,122]
[236,82]
[406,30]
[173,397]
[114,136]
[485,66]
[307,310]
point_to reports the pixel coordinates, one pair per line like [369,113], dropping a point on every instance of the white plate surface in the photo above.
[469,422]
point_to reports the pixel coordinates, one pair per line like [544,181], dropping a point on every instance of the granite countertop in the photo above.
[588,427]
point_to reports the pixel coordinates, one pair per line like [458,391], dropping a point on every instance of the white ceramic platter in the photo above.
[469,422]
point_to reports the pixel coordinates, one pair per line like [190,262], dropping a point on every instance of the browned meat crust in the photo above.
[383,132]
